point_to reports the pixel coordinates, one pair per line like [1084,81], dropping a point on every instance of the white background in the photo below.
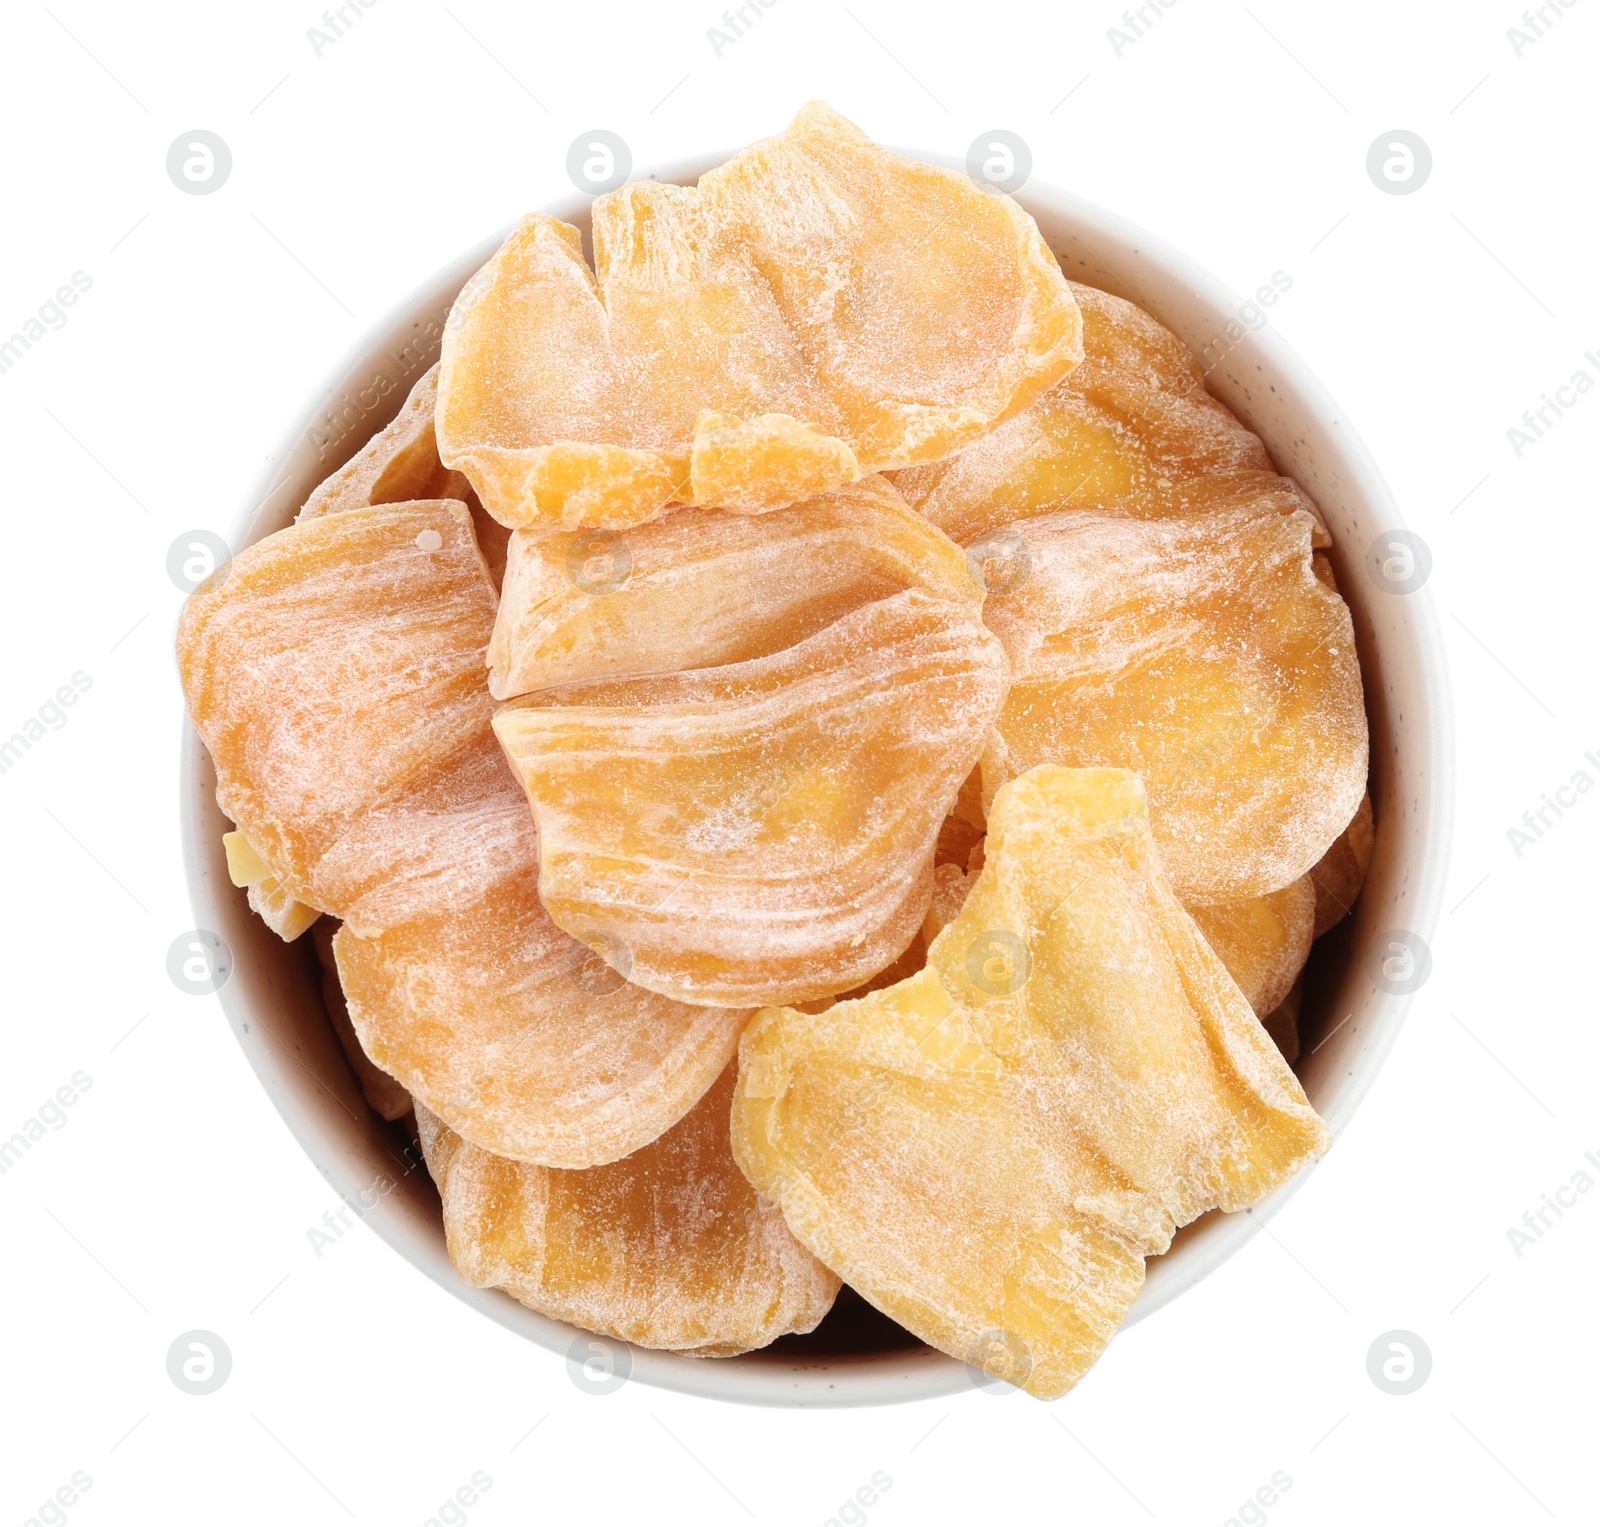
[174,1198]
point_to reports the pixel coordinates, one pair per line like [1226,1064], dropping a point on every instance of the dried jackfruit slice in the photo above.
[1263,941]
[334,666]
[668,1248]
[698,588]
[268,897]
[335,672]
[1132,430]
[762,831]
[1341,872]
[517,1036]
[383,1093]
[988,1151]
[401,464]
[1201,652]
[816,308]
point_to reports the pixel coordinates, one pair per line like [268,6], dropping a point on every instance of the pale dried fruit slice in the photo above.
[815,308]
[1203,653]
[762,831]
[334,666]
[1264,941]
[951,884]
[268,897]
[698,588]
[272,902]
[335,672]
[989,1150]
[401,464]
[1132,430]
[669,1248]
[383,1093]
[1341,872]
[520,1038]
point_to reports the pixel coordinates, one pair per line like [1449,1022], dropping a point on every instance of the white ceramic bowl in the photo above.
[1348,1022]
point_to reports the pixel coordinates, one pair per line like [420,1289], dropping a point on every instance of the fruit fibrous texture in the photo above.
[816,308]
[1202,653]
[669,1248]
[988,1150]
[1263,941]
[699,588]
[763,831]
[1130,431]
[335,672]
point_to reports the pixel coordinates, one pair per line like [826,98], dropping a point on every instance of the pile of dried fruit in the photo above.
[943,740]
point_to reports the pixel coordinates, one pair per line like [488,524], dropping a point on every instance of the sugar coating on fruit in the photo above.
[989,1150]
[699,588]
[520,1038]
[1203,653]
[401,464]
[1341,872]
[333,667]
[762,831]
[815,308]
[1132,431]
[335,673]
[1263,941]
[669,1248]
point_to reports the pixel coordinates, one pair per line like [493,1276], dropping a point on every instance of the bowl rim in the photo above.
[913,1373]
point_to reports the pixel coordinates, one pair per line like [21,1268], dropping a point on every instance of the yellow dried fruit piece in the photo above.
[698,588]
[1264,941]
[669,1248]
[401,464]
[816,308]
[245,865]
[1283,1023]
[1203,653]
[1341,872]
[272,902]
[383,1093]
[988,1151]
[334,666]
[762,831]
[951,884]
[335,672]
[1132,430]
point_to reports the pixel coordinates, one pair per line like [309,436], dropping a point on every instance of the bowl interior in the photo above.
[859,1357]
